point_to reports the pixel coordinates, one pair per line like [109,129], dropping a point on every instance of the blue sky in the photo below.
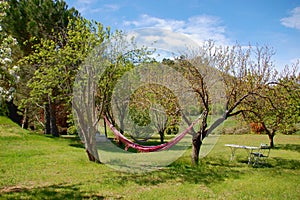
[275,23]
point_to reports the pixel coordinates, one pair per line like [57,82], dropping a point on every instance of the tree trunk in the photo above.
[196,149]
[122,126]
[47,119]
[198,138]
[53,126]
[25,120]
[270,134]
[271,138]
[92,158]
[91,147]
[105,130]
[162,136]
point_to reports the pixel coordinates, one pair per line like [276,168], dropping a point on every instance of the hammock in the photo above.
[142,148]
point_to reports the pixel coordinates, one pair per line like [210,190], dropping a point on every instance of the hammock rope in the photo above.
[143,148]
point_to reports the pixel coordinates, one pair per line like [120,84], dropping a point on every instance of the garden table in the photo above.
[249,150]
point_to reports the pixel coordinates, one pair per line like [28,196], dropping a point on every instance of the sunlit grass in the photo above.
[34,166]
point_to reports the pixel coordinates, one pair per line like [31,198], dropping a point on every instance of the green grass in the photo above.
[34,166]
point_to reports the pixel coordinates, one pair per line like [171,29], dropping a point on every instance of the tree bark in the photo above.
[91,157]
[196,149]
[122,126]
[53,126]
[162,136]
[25,120]
[198,139]
[47,119]
[270,134]
[271,138]
[91,147]
[105,130]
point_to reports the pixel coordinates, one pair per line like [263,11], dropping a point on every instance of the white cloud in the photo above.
[83,5]
[85,1]
[292,21]
[199,28]
[162,39]
[148,21]
[91,6]
[111,7]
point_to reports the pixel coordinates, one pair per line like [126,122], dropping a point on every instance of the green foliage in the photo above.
[157,104]
[56,66]
[278,106]
[42,19]
[139,117]
[173,129]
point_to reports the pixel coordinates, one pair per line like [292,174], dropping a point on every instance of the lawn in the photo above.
[34,166]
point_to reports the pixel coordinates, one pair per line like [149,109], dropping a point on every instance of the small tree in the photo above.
[242,72]
[278,106]
[157,104]
[95,82]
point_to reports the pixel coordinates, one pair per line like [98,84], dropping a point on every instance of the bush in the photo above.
[72,130]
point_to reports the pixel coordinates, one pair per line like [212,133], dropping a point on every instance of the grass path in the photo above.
[33,166]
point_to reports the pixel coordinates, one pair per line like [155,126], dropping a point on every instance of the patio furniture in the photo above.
[261,155]
[249,150]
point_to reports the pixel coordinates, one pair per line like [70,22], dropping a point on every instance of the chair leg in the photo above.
[255,161]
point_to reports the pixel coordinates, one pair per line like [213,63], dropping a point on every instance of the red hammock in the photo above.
[141,148]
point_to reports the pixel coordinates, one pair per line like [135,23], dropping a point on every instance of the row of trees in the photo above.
[50,42]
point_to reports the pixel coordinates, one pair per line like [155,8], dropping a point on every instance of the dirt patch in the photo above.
[14,189]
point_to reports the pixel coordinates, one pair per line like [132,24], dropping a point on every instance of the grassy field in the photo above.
[34,166]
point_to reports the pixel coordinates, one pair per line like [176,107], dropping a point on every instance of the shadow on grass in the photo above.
[77,145]
[289,147]
[60,191]
[279,163]
[207,172]
[285,163]
[75,141]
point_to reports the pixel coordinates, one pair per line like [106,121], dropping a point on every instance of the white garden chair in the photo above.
[261,155]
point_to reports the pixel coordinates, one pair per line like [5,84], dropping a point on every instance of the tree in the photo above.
[56,67]
[157,104]
[95,82]
[278,106]
[30,22]
[242,72]
[120,56]
[39,19]
[8,68]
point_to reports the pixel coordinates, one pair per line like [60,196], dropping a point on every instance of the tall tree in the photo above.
[56,67]
[39,19]
[30,22]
